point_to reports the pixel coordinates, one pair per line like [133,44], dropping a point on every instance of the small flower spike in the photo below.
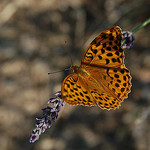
[128,39]
[50,114]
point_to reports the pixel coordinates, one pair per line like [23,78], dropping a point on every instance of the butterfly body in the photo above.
[80,71]
[102,79]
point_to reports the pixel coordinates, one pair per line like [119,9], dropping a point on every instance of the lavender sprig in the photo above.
[50,114]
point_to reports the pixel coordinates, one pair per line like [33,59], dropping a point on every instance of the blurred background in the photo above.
[37,37]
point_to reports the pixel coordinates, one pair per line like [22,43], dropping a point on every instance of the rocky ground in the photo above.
[37,37]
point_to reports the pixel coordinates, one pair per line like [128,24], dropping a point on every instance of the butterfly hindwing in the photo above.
[104,100]
[113,84]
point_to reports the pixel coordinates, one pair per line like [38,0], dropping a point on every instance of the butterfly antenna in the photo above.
[59,71]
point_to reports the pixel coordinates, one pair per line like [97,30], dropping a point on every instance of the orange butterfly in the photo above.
[102,79]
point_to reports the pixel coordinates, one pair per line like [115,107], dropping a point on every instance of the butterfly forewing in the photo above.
[105,49]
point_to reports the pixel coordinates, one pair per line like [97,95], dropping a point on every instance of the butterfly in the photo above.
[102,78]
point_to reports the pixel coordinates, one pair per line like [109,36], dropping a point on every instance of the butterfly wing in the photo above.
[105,50]
[74,91]
[116,84]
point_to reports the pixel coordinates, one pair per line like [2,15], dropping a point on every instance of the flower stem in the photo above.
[141,26]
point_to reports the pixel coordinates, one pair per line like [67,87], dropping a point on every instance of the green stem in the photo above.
[141,26]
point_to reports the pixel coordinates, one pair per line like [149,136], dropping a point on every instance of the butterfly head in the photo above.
[75,69]
[80,70]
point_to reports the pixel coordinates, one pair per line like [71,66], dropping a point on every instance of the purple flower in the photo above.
[50,114]
[128,39]
[35,135]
